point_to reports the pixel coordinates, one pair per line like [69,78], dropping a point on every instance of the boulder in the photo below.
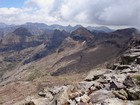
[122,94]
[134,50]
[63,98]
[93,78]
[78,99]
[92,89]
[129,58]
[49,96]
[133,93]
[84,85]
[128,82]
[100,95]
[120,77]
[98,85]
[75,94]
[105,78]
[126,71]
[95,74]
[85,98]
[116,85]
[56,89]
[120,67]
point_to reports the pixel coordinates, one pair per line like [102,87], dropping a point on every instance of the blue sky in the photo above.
[11,3]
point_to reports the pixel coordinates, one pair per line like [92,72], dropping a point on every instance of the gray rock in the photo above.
[134,50]
[49,96]
[128,82]
[120,67]
[116,85]
[113,101]
[63,98]
[84,85]
[75,94]
[85,98]
[129,58]
[55,90]
[95,74]
[100,95]
[133,93]
[77,99]
[129,71]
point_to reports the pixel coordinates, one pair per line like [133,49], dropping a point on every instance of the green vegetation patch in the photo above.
[138,78]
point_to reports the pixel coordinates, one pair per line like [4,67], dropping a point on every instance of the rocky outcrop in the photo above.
[108,87]
[82,34]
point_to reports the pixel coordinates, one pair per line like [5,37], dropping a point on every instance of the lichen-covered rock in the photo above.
[122,94]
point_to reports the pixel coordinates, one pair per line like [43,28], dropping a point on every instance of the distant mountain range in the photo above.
[32,42]
[40,28]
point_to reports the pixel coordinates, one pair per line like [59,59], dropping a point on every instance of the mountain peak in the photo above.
[22,32]
[81,33]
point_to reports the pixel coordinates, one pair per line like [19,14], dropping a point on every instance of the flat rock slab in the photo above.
[100,95]
[95,72]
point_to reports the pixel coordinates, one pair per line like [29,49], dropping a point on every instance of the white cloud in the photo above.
[102,12]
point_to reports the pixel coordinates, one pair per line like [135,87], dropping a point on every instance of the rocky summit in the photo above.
[117,85]
[55,65]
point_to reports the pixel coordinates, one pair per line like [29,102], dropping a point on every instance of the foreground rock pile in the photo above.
[116,86]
